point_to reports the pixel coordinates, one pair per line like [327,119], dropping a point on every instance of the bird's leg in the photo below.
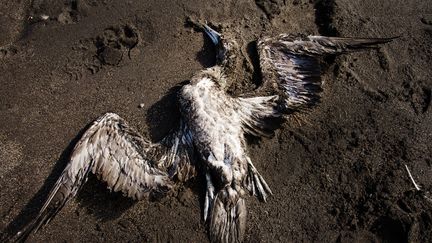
[209,196]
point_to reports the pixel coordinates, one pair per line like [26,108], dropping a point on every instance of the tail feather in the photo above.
[228,217]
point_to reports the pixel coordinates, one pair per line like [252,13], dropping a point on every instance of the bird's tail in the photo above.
[228,217]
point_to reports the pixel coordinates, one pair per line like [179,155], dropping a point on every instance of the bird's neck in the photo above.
[228,58]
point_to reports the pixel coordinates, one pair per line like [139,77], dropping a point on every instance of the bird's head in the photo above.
[226,47]
[227,52]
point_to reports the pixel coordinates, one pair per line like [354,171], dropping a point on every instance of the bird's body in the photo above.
[217,124]
[210,138]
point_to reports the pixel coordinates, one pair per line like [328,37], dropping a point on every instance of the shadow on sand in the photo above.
[94,196]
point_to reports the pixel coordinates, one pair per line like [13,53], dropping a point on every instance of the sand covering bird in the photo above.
[210,138]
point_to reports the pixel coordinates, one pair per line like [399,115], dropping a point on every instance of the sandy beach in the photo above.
[338,172]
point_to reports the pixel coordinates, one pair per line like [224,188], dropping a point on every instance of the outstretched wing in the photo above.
[121,157]
[291,64]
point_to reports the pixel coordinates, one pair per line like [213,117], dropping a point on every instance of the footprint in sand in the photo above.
[115,42]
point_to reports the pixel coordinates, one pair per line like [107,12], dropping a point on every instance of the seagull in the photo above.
[210,137]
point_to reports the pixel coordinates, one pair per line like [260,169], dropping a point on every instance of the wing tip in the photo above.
[347,44]
[23,234]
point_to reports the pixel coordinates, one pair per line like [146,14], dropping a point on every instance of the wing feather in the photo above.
[179,157]
[121,157]
[290,64]
[254,113]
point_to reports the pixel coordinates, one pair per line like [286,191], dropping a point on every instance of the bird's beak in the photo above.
[213,34]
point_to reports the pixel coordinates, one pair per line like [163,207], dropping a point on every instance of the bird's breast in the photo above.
[210,113]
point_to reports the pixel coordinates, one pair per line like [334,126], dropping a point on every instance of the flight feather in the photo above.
[291,64]
[122,158]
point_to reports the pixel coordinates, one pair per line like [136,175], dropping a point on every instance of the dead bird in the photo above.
[210,137]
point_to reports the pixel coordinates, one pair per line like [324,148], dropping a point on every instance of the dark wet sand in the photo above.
[337,176]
